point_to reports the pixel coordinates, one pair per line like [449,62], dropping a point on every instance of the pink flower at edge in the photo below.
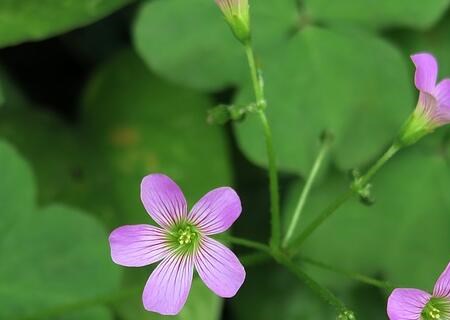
[182,243]
[415,304]
[434,98]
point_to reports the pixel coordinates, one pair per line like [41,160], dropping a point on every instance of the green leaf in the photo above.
[2,98]
[434,41]
[57,162]
[28,20]
[271,292]
[190,43]
[139,125]
[48,265]
[17,203]
[403,236]
[417,14]
[329,80]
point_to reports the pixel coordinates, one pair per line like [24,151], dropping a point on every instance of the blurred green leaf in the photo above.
[403,236]
[329,80]
[434,40]
[15,172]
[417,14]
[190,43]
[56,158]
[2,98]
[47,263]
[139,125]
[28,20]
[271,292]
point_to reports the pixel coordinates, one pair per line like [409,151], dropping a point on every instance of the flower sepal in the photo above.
[416,127]
[236,13]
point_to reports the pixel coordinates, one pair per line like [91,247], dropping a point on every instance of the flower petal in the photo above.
[216,211]
[426,71]
[406,304]
[138,245]
[163,199]
[442,92]
[219,268]
[442,286]
[168,287]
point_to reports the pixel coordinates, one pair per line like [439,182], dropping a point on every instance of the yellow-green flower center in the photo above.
[436,309]
[184,237]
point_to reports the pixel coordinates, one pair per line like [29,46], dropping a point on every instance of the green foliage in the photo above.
[408,221]
[278,296]
[148,126]
[42,250]
[190,43]
[58,163]
[27,20]
[334,87]
[377,14]
[340,66]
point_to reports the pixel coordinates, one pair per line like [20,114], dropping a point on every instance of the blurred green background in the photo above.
[95,94]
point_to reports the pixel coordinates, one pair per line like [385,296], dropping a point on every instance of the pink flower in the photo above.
[415,304]
[182,243]
[434,99]
[433,107]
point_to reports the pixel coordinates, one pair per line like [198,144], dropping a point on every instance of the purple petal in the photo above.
[442,92]
[426,71]
[442,286]
[216,211]
[138,245]
[168,287]
[163,199]
[406,304]
[219,268]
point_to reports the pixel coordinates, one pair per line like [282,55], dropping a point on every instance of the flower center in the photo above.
[436,309]
[184,237]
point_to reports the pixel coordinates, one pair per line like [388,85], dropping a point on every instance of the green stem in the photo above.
[254,258]
[323,292]
[356,276]
[357,185]
[246,243]
[380,162]
[320,219]
[273,175]
[305,192]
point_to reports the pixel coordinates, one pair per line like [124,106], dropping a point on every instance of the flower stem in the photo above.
[305,192]
[320,219]
[323,292]
[379,163]
[246,243]
[356,276]
[273,175]
[357,185]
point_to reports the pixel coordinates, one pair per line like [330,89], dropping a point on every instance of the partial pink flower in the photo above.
[434,98]
[182,242]
[415,304]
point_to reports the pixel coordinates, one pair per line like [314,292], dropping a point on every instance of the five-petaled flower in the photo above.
[182,243]
[433,107]
[236,13]
[415,304]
